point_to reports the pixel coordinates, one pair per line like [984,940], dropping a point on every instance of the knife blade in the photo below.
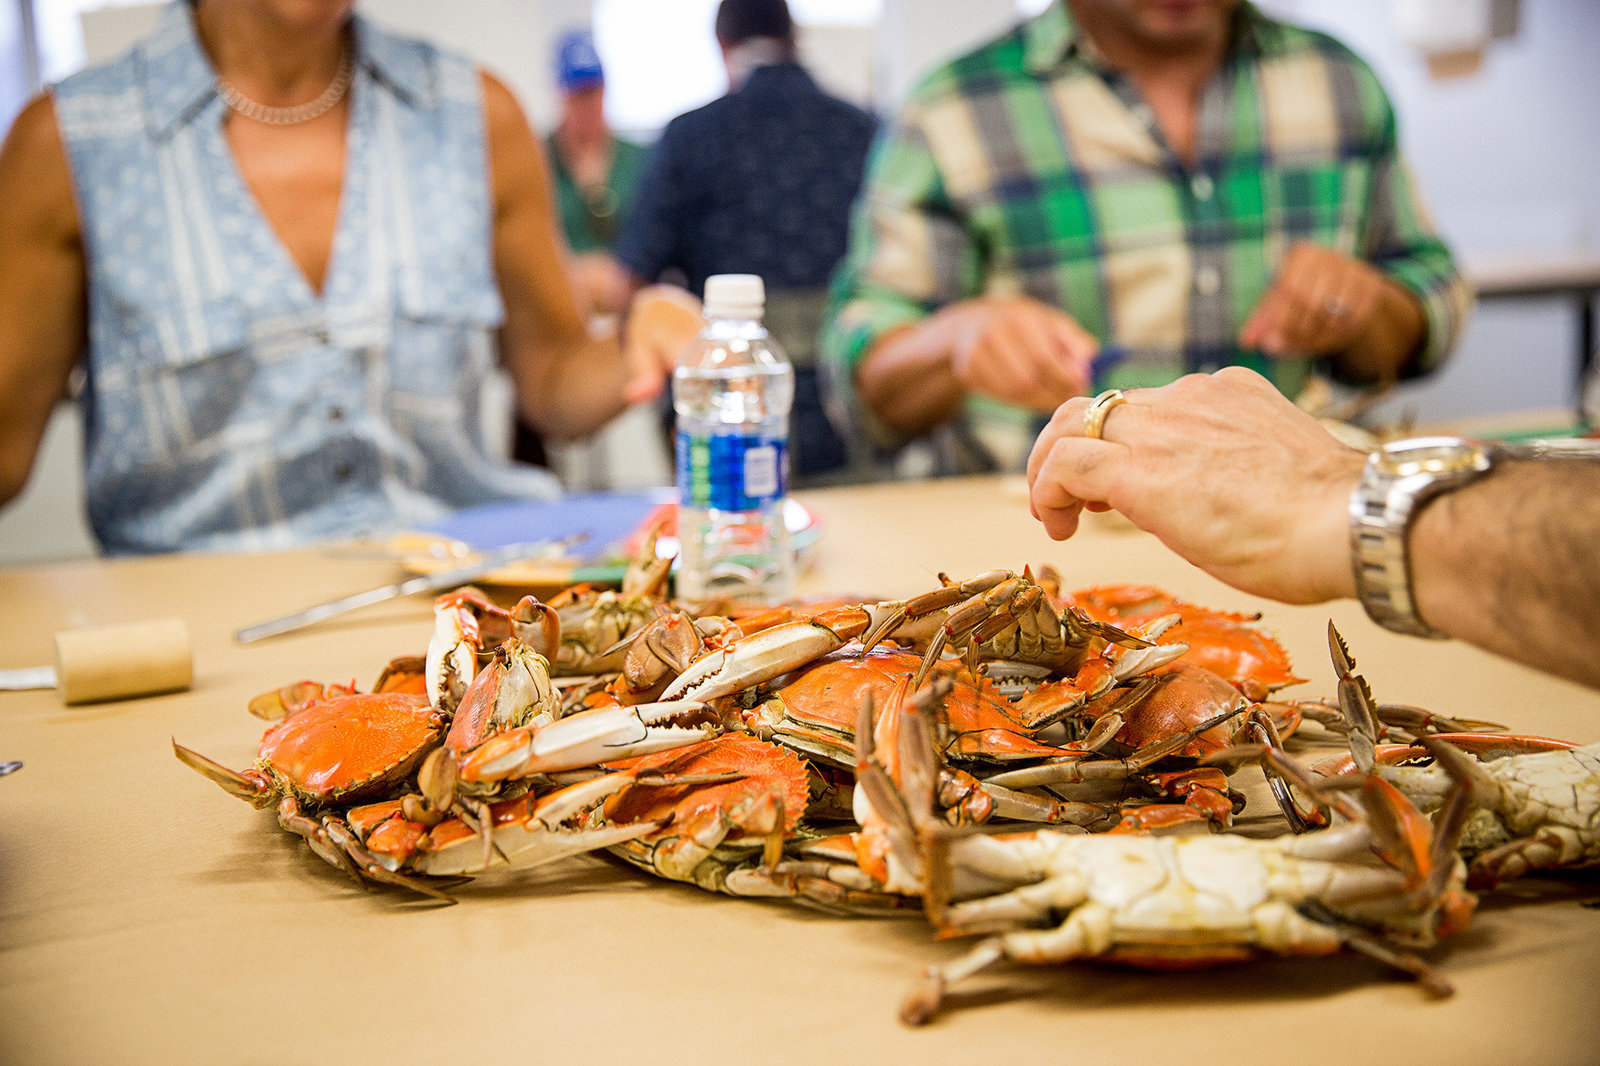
[435,582]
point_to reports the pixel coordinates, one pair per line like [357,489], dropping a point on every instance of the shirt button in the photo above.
[1207,280]
[318,334]
[336,415]
[342,471]
[1202,187]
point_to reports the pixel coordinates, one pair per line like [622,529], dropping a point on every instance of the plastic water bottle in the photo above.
[732,392]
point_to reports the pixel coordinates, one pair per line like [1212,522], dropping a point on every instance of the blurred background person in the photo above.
[288,249]
[759,181]
[1118,192]
[596,174]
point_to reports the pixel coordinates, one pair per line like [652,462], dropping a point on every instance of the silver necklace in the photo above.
[291,116]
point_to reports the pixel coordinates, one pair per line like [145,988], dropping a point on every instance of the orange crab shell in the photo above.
[384,830]
[1224,642]
[764,769]
[1189,694]
[978,717]
[1252,661]
[351,747]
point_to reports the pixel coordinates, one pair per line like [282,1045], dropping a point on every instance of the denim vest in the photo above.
[230,406]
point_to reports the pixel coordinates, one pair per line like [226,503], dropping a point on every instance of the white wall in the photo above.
[1509,160]
[512,38]
[47,522]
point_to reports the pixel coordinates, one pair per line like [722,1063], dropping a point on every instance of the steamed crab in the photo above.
[1224,642]
[800,682]
[1539,798]
[997,615]
[331,753]
[1381,881]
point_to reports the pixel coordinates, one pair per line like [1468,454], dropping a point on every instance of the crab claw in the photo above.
[513,690]
[589,738]
[452,659]
[765,655]
[532,832]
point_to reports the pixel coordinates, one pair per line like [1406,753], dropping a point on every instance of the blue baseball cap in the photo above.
[577,63]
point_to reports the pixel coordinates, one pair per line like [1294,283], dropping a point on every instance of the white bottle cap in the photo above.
[735,296]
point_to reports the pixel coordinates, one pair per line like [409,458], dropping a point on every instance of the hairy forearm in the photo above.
[1392,337]
[1509,564]
[906,378]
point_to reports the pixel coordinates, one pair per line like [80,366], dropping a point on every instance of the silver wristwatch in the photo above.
[1398,479]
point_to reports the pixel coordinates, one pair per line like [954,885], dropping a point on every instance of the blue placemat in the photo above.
[607,518]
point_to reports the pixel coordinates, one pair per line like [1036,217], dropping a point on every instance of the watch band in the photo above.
[1378,526]
[1397,480]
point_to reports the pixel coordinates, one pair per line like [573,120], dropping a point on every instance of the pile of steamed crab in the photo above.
[1049,772]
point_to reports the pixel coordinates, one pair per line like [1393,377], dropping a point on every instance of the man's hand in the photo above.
[662,320]
[1321,303]
[1226,471]
[1018,350]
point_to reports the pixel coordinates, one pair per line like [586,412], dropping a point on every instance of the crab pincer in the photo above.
[588,738]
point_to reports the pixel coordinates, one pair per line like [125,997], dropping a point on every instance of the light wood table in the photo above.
[146,917]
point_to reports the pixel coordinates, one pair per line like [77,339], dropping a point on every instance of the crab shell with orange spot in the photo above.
[763,770]
[1252,661]
[1184,696]
[385,831]
[818,706]
[1225,642]
[351,747]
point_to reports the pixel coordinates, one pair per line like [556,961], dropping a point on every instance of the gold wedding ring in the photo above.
[1094,416]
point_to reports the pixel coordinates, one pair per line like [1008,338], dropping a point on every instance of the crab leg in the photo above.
[452,659]
[588,738]
[253,786]
[370,867]
[531,832]
[1077,771]
[765,655]
[332,840]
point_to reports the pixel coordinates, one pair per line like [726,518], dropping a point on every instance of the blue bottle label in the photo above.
[731,471]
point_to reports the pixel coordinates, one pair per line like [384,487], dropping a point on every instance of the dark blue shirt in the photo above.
[759,181]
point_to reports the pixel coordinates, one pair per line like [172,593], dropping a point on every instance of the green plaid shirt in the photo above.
[1027,167]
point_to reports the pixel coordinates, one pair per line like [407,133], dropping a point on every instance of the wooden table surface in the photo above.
[146,917]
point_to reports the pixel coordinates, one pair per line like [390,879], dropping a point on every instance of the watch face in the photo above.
[1432,455]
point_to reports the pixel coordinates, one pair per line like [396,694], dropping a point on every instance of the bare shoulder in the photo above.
[35,182]
[516,159]
[503,114]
